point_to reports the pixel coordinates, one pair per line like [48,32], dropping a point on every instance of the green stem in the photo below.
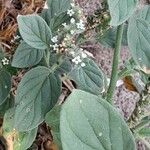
[114,73]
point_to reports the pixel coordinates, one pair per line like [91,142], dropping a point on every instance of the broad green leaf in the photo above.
[88,122]
[34,31]
[89,78]
[139,38]
[25,139]
[144,132]
[121,10]
[5,85]
[26,56]
[57,7]
[37,93]
[109,38]
[53,120]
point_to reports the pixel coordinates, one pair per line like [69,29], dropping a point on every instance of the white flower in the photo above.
[83,55]
[80,25]
[65,25]
[72,31]
[77,60]
[82,64]
[5,61]
[54,39]
[55,47]
[70,12]
[72,20]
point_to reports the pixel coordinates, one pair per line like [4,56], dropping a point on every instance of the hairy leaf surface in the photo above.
[121,10]
[139,38]
[37,93]
[90,123]
[26,56]
[34,31]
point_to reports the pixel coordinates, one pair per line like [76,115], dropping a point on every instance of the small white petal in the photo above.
[72,20]
[72,4]
[83,65]
[54,39]
[72,31]
[70,12]
[83,55]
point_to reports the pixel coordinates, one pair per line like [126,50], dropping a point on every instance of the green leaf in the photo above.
[89,78]
[58,6]
[8,122]
[9,102]
[121,10]
[88,122]
[26,56]
[57,21]
[5,85]
[64,66]
[53,120]
[37,93]
[109,38]
[22,140]
[139,37]
[25,139]
[46,15]
[144,132]
[34,31]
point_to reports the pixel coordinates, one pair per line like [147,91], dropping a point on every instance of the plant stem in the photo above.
[114,73]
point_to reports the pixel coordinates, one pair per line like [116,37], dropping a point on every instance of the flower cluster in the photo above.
[75,26]
[78,59]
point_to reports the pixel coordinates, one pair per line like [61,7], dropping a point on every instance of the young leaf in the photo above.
[90,123]
[88,78]
[37,93]
[24,139]
[121,10]
[46,15]
[53,120]
[139,37]
[26,56]
[57,21]
[34,31]
[5,85]
[144,132]
[58,6]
